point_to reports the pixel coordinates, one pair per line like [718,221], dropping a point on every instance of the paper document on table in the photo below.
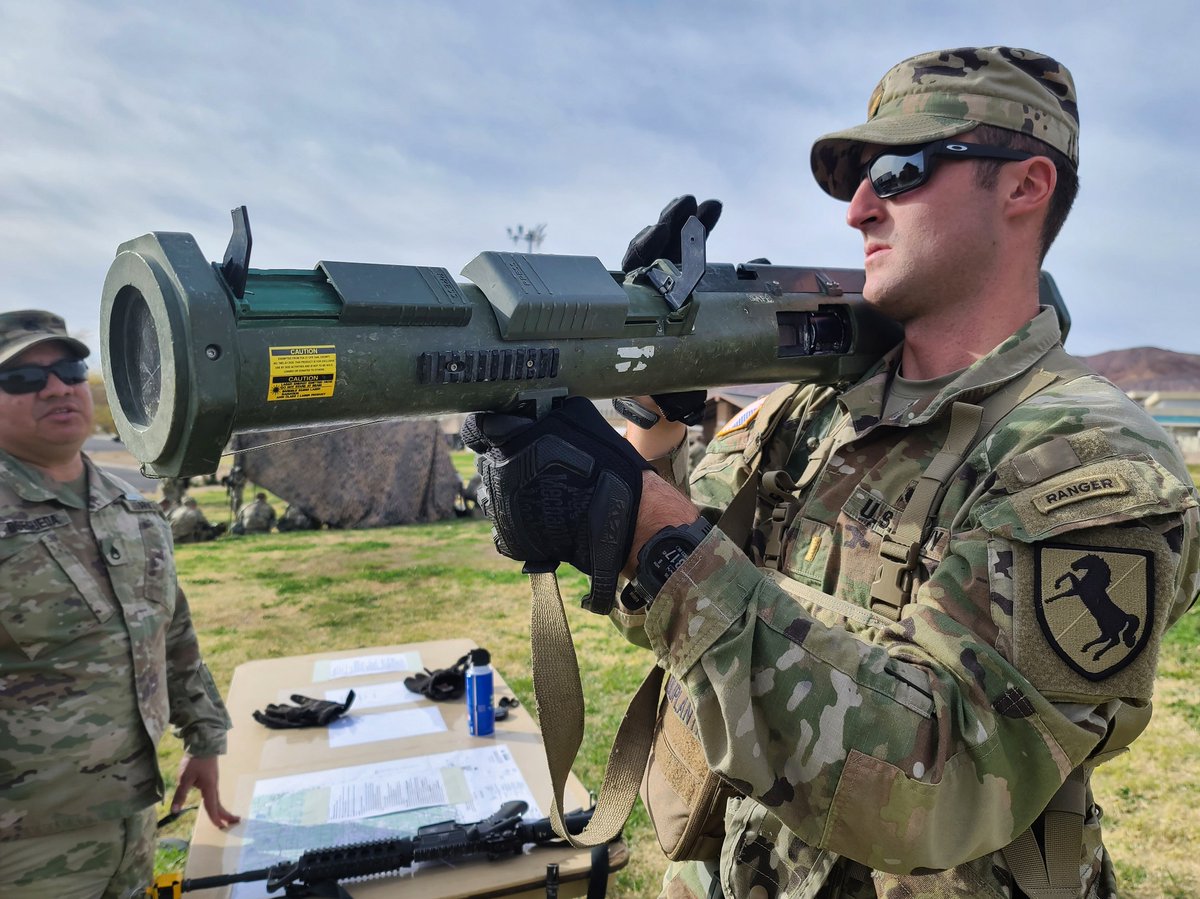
[374,696]
[291,815]
[358,666]
[418,788]
[352,729]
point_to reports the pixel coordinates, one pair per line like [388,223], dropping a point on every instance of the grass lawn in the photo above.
[268,596]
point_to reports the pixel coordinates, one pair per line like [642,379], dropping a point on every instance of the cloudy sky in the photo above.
[418,133]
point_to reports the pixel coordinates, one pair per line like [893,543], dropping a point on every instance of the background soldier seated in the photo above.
[255,518]
[296,519]
[190,525]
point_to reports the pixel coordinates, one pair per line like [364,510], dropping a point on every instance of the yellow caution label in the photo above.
[302,372]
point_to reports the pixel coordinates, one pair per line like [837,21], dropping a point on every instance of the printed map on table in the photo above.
[382,800]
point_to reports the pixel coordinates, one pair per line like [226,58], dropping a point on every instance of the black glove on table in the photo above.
[440,684]
[307,712]
[565,488]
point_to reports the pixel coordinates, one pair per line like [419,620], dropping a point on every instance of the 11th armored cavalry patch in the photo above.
[1095,605]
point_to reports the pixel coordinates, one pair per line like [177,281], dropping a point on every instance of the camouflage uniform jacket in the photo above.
[97,653]
[257,517]
[921,748]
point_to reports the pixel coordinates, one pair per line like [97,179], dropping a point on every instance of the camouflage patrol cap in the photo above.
[21,330]
[948,92]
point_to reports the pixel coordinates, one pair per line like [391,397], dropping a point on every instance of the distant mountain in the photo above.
[1148,368]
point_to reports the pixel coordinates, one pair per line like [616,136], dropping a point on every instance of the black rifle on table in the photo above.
[318,871]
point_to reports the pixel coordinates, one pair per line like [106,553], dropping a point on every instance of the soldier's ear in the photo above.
[1028,185]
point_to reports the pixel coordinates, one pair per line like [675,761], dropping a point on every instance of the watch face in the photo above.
[664,553]
[669,555]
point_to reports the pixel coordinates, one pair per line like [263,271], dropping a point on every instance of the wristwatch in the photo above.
[659,558]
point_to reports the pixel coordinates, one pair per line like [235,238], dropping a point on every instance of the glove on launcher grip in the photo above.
[191,356]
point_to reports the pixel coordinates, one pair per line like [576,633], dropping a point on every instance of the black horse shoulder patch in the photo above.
[1095,604]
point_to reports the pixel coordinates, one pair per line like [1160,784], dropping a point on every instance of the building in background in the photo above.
[1178,411]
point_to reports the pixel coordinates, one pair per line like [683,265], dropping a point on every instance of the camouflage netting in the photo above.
[392,472]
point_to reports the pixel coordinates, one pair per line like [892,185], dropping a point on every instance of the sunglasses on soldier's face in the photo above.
[897,171]
[32,378]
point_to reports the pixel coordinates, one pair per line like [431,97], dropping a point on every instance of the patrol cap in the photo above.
[947,92]
[21,330]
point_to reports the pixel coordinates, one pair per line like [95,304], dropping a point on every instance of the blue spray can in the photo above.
[481,713]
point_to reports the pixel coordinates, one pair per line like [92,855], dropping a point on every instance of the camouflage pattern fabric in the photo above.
[921,748]
[941,94]
[188,524]
[108,860]
[386,473]
[20,331]
[257,517]
[97,654]
[173,490]
[296,519]
[235,487]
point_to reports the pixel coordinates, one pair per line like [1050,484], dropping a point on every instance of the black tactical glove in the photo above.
[662,239]
[307,712]
[565,488]
[440,684]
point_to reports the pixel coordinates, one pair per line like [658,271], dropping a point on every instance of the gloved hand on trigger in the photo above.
[307,712]
[565,488]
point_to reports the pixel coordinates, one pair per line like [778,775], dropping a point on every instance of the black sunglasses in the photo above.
[32,378]
[895,171]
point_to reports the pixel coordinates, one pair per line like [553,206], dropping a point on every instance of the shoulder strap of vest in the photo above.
[779,489]
[969,424]
[774,411]
[738,518]
[898,551]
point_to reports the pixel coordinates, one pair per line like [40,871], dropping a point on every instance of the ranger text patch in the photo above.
[1079,489]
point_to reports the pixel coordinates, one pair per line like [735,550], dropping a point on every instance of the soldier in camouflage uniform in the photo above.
[255,518]
[976,548]
[295,518]
[97,650]
[173,490]
[189,524]
[235,486]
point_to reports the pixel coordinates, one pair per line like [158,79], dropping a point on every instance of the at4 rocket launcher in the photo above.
[195,352]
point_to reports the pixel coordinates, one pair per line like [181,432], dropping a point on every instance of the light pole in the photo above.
[533,237]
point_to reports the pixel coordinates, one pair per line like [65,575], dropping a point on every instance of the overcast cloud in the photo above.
[416,133]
